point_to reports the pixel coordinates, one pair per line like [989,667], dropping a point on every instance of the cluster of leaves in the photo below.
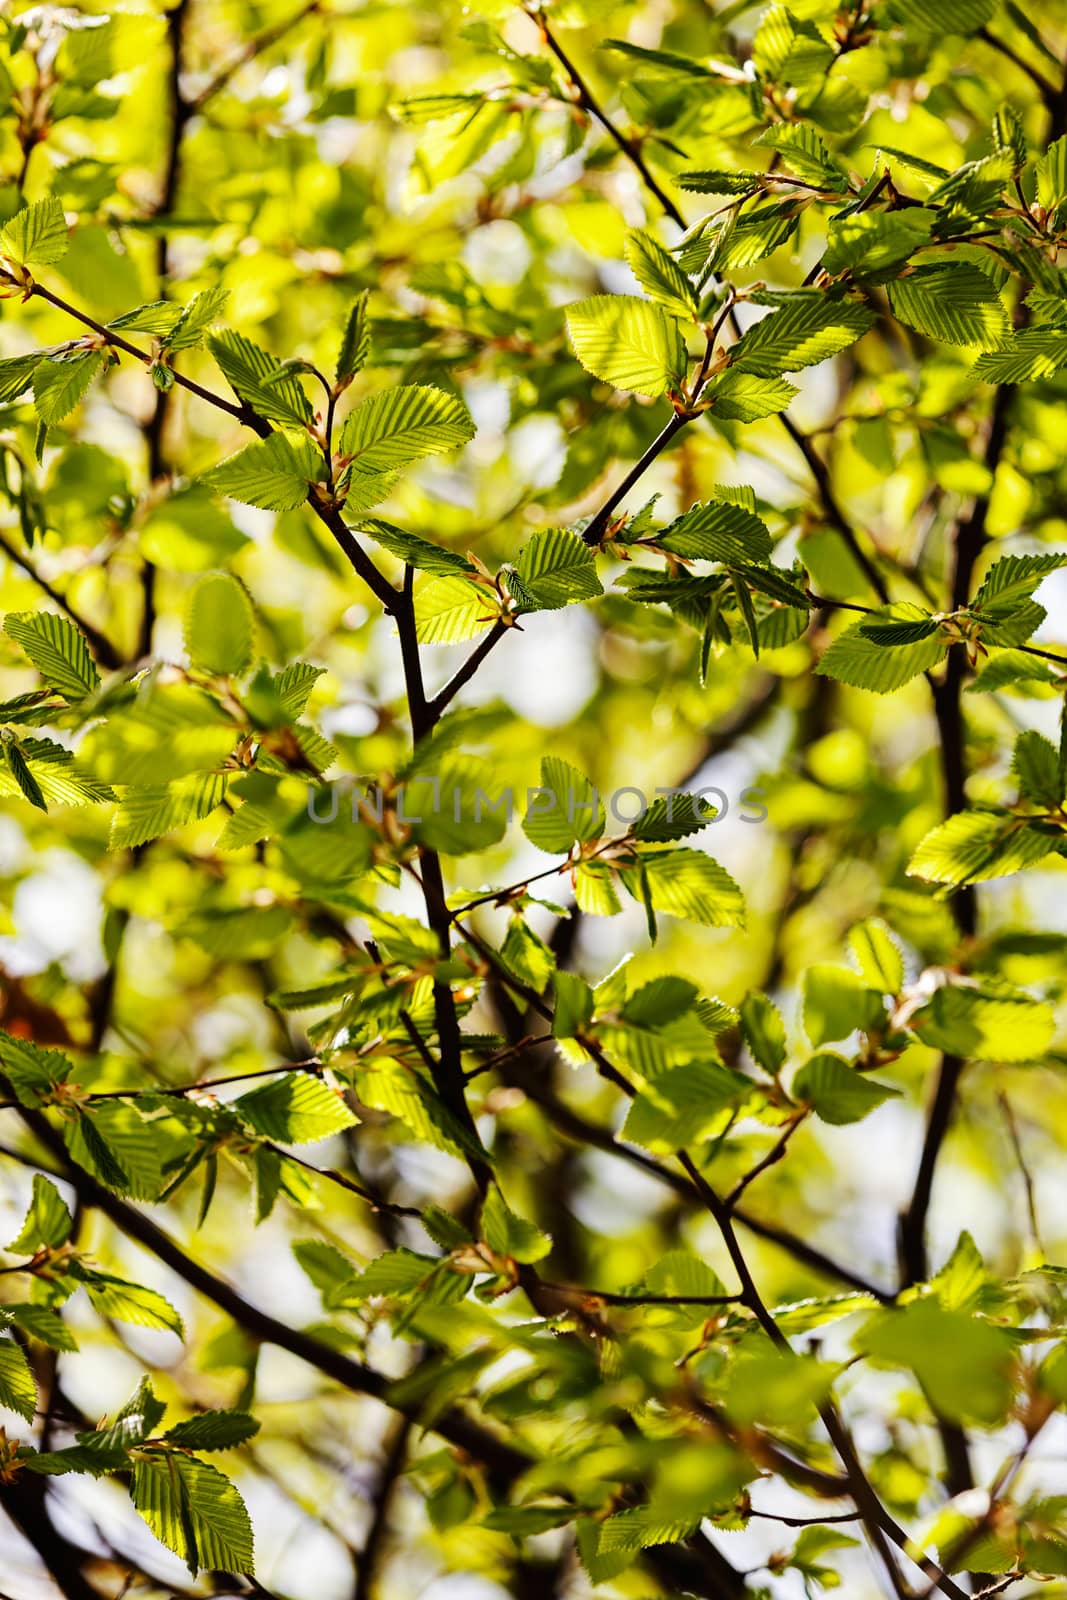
[230,560]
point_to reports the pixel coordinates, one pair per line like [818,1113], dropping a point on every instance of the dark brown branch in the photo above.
[1047,90]
[255,47]
[832,506]
[630,148]
[99,643]
[465,673]
[369,1559]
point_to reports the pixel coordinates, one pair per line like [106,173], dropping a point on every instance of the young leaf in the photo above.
[683,1105]
[555,567]
[297,1108]
[218,624]
[879,958]
[413,550]
[883,661]
[944,16]
[836,1091]
[18,1391]
[146,813]
[37,235]
[132,1302]
[449,609]
[47,1222]
[627,343]
[565,809]
[16,375]
[716,531]
[808,328]
[272,473]
[195,1511]
[509,1235]
[688,884]
[194,319]
[659,274]
[57,649]
[401,425]
[956,303]
[213,1430]
[60,382]
[975,845]
[19,767]
[574,1005]
[1036,764]
[257,379]
[837,1002]
[355,344]
[764,1031]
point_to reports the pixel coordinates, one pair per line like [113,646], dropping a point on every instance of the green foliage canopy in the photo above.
[391,394]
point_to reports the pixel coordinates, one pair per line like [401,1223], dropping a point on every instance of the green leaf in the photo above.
[837,1002]
[673,816]
[963,1364]
[555,567]
[717,531]
[295,1109]
[628,343]
[1025,356]
[57,649]
[1050,171]
[866,659]
[413,550]
[158,316]
[355,343]
[132,1302]
[47,1222]
[574,1005]
[873,243]
[1036,764]
[985,1025]
[37,235]
[742,397]
[147,813]
[257,379]
[272,473]
[879,958]
[764,1031]
[957,304]
[808,328]
[659,274]
[16,375]
[42,1324]
[1014,578]
[195,1511]
[213,1430]
[787,49]
[509,1235]
[401,425]
[18,1391]
[975,845]
[836,1091]
[687,883]
[566,808]
[218,624]
[804,154]
[944,16]
[683,1105]
[60,382]
[195,318]
[20,770]
[32,1071]
[450,609]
